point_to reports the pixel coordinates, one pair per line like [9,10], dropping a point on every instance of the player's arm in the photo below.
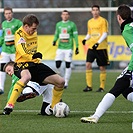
[127,36]
[21,46]
[56,36]
[75,36]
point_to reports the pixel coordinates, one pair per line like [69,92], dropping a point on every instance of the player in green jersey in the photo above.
[9,27]
[66,32]
[122,84]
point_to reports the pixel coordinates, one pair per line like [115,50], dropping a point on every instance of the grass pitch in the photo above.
[24,118]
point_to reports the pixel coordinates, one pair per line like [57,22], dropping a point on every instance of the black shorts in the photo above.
[38,71]
[101,57]
[122,86]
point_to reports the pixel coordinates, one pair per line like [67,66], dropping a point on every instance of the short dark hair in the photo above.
[10,63]
[124,11]
[30,19]
[8,8]
[97,6]
[66,11]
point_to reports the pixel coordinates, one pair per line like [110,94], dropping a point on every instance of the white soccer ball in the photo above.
[61,109]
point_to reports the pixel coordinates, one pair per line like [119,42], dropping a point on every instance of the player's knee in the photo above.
[61,83]
[26,78]
[58,64]
[2,66]
[68,64]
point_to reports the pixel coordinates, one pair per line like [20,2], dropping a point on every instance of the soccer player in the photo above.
[97,48]
[122,84]
[31,90]
[66,31]
[9,26]
[27,64]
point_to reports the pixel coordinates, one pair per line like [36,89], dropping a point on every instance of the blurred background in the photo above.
[48,21]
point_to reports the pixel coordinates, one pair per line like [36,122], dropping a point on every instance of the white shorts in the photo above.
[45,90]
[62,54]
[5,57]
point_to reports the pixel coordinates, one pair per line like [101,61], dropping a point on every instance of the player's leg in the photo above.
[128,94]
[58,83]
[102,62]
[47,99]
[120,85]
[58,61]
[17,89]
[68,70]
[89,59]
[4,58]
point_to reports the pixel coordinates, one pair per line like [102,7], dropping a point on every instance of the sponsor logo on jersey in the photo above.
[21,40]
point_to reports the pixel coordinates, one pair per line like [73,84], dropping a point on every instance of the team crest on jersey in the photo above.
[21,40]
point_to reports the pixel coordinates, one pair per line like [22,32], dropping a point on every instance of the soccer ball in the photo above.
[61,109]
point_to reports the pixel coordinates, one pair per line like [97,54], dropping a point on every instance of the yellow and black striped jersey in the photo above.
[96,27]
[26,46]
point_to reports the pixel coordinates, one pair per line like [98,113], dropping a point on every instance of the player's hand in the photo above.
[77,51]
[128,75]
[54,43]
[37,55]
[95,46]
[83,42]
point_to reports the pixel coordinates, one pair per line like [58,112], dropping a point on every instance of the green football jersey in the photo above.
[7,39]
[65,33]
[127,33]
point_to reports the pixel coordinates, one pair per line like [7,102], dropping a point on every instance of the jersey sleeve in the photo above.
[105,26]
[21,47]
[128,34]
[88,28]
[56,36]
[75,34]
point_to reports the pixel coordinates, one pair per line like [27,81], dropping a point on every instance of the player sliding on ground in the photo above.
[122,84]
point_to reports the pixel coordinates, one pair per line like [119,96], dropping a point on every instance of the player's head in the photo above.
[65,15]
[8,13]
[95,11]
[9,68]
[30,23]
[123,13]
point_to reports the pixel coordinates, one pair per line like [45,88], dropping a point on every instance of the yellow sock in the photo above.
[18,87]
[57,94]
[89,78]
[102,79]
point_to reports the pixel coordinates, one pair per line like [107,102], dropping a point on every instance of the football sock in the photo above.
[18,87]
[89,78]
[67,75]
[56,97]
[44,105]
[130,97]
[106,102]
[2,80]
[102,79]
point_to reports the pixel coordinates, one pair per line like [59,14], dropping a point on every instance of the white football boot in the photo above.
[90,119]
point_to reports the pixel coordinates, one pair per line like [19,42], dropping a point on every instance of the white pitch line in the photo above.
[76,111]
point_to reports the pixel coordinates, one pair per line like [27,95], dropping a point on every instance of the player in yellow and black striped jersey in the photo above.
[97,48]
[27,64]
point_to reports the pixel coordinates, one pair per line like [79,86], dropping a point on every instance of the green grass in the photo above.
[30,122]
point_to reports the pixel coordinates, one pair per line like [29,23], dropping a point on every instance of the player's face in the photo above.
[65,16]
[9,70]
[31,29]
[95,12]
[8,14]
